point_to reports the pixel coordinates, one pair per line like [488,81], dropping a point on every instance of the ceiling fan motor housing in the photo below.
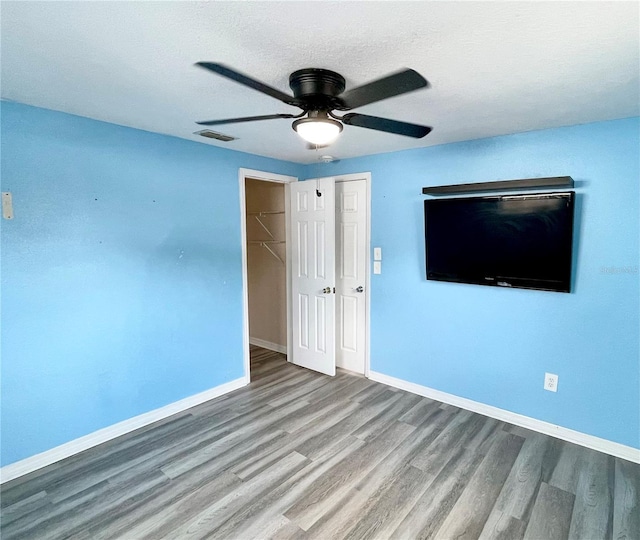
[318,87]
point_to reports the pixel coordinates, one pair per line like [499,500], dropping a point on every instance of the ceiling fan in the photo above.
[320,92]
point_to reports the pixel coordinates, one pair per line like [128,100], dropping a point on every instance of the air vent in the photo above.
[215,135]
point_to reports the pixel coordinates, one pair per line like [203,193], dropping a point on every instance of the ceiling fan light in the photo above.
[318,131]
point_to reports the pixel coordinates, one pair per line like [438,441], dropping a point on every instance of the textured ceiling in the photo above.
[495,67]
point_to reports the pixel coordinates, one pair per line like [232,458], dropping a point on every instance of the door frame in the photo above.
[367,286]
[243,174]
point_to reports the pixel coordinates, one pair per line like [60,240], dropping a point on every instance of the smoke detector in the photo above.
[326,159]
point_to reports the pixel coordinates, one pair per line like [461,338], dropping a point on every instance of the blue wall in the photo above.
[121,278]
[494,345]
[121,274]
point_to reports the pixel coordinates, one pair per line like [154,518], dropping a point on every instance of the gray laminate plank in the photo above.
[316,446]
[249,520]
[384,395]
[230,445]
[397,406]
[68,519]
[469,515]
[389,505]
[24,507]
[246,399]
[289,531]
[327,491]
[519,431]
[377,486]
[592,516]
[309,415]
[93,466]
[188,497]
[27,485]
[23,526]
[419,412]
[259,460]
[319,404]
[148,454]
[268,528]
[260,414]
[337,520]
[215,451]
[484,439]
[626,513]
[566,472]
[430,511]
[521,487]
[463,425]
[202,525]
[503,527]
[406,451]
[369,391]
[342,387]
[300,392]
[551,514]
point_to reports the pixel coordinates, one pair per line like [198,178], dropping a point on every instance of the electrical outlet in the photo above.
[551,382]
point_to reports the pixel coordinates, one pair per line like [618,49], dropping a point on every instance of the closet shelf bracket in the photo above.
[263,226]
[265,245]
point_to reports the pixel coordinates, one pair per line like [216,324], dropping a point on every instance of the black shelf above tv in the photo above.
[501,185]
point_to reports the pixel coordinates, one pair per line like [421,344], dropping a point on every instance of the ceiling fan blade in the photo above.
[384,124]
[246,119]
[395,84]
[229,73]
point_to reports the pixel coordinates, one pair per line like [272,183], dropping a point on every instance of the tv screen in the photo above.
[519,241]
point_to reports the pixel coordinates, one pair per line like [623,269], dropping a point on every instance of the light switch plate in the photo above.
[377,267]
[377,254]
[7,205]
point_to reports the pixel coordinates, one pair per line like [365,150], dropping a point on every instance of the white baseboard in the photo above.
[595,443]
[268,345]
[33,463]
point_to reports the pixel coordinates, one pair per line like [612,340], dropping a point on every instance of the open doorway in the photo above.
[266,264]
[264,203]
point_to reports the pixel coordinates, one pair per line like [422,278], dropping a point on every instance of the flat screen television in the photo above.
[522,241]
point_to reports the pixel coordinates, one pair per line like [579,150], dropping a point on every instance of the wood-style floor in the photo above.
[302,455]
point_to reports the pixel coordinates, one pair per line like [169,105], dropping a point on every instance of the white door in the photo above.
[351,270]
[312,225]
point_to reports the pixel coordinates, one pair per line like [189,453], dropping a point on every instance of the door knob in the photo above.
[326,290]
[359,289]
